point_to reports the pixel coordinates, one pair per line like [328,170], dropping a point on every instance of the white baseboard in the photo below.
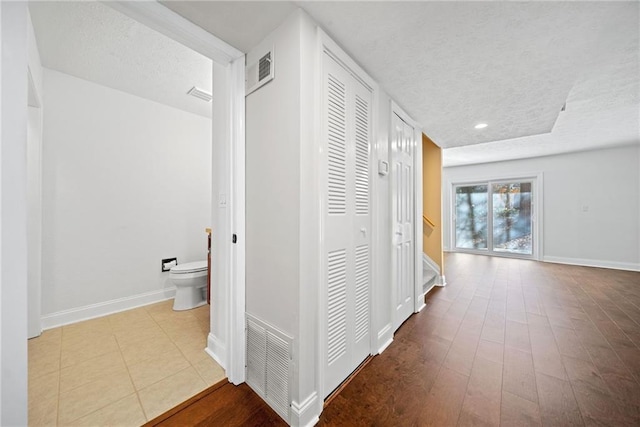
[630,266]
[92,311]
[385,338]
[217,350]
[306,414]
[441,281]
[433,285]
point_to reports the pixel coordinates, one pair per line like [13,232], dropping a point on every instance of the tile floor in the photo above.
[123,369]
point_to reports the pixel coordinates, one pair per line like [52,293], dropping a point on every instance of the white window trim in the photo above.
[537,218]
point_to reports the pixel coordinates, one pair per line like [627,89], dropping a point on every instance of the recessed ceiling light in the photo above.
[481,126]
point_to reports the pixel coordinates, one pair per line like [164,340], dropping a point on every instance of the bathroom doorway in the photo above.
[84,160]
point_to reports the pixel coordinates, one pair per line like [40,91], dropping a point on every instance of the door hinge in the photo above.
[234,239]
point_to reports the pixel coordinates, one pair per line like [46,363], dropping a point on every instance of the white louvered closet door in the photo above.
[347,136]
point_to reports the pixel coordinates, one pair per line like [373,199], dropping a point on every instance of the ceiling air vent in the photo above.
[200,94]
[260,72]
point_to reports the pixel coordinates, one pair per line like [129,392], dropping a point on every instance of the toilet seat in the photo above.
[189,267]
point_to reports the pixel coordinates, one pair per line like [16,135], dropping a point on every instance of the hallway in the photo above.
[506,342]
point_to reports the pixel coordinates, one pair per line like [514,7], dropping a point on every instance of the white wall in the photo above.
[127,182]
[605,181]
[34,220]
[34,185]
[13,213]
[383,313]
[35,66]
[281,272]
[273,185]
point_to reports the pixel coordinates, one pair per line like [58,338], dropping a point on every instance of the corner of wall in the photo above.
[306,413]
[34,62]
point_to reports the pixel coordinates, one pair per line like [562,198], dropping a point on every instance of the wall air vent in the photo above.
[269,368]
[259,73]
[200,94]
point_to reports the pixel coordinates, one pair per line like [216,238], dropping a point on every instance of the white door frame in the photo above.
[13,213]
[418,294]
[226,341]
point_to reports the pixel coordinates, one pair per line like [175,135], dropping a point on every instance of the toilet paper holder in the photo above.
[168,263]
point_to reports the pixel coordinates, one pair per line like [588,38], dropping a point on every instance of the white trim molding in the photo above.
[162,19]
[615,265]
[440,279]
[237,297]
[215,349]
[66,317]
[304,414]
[227,344]
[426,259]
[385,338]
[13,209]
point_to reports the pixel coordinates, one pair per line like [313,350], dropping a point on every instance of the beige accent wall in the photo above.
[432,200]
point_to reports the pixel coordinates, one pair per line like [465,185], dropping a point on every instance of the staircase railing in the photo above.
[428,221]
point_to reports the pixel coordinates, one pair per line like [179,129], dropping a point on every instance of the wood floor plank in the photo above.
[597,407]
[484,392]
[443,404]
[546,356]
[568,343]
[518,375]
[558,406]
[491,351]
[516,411]
[517,336]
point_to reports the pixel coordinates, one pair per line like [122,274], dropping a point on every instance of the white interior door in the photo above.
[402,150]
[347,241]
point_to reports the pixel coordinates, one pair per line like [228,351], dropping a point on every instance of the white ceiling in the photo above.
[242,24]
[452,65]
[91,41]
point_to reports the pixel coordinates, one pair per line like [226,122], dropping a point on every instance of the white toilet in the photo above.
[191,282]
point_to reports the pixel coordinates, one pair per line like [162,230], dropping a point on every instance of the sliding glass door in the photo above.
[472,206]
[495,217]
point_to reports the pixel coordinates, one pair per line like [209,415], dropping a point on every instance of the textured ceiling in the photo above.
[91,41]
[242,24]
[509,64]
[452,65]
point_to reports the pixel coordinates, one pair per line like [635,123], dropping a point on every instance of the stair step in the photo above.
[428,275]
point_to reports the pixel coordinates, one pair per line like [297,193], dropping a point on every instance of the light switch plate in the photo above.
[383,167]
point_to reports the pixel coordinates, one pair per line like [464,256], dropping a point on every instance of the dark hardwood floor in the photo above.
[507,342]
